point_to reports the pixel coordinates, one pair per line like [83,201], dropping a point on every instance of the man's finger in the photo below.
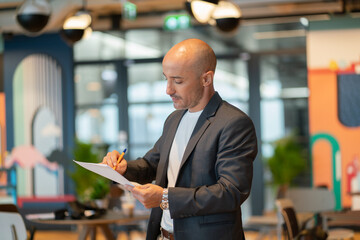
[128,187]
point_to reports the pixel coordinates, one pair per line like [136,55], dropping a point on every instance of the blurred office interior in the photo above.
[292,66]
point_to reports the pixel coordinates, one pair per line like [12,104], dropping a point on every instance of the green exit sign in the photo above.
[179,21]
[129,11]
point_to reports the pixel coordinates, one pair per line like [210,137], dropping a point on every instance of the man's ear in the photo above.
[208,78]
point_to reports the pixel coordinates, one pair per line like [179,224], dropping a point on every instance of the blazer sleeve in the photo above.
[236,150]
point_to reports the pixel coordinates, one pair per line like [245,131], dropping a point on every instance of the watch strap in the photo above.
[164,205]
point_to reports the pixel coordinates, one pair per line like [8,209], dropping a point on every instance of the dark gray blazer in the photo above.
[214,178]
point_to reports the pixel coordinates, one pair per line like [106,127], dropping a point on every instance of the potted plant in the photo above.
[89,186]
[287,162]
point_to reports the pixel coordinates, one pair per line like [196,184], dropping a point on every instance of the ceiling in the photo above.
[107,13]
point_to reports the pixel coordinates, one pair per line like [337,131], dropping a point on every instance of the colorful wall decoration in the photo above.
[2,129]
[37,99]
[38,85]
[334,110]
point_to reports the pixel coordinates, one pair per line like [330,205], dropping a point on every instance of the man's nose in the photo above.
[169,89]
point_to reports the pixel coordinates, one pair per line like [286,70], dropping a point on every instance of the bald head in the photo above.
[189,69]
[195,53]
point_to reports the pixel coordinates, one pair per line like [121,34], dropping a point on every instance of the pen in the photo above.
[120,158]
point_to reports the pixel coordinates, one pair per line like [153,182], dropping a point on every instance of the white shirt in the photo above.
[182,136]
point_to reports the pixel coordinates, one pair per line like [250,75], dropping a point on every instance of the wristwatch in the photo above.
[164,205]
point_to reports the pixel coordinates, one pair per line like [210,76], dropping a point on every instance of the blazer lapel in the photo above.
[202,124]
[194,140]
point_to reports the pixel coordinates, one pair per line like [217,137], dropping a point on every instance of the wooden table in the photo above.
[340,218]
[267,225]
[88,227]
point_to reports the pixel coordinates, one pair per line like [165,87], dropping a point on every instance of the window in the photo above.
[283,106]
[97,114]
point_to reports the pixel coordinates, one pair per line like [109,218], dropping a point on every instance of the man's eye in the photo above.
[178,82]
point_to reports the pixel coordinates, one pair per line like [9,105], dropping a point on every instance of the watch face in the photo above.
[164,205]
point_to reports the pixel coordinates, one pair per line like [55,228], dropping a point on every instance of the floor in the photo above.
[134,235]
[68,235]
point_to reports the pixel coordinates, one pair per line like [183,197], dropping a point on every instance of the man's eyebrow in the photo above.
[173,77]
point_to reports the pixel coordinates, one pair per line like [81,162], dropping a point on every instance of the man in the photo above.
[203,162]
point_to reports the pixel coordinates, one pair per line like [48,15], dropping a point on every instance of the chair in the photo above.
[317,200]
[293,231]
[11,208]
[290,221]
[311,199]
[12,226]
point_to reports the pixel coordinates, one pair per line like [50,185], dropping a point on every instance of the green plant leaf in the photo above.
[287,162]
[88,185]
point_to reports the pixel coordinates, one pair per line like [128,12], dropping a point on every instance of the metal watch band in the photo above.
[164,205]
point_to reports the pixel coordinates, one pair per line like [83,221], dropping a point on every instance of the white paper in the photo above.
[105,171]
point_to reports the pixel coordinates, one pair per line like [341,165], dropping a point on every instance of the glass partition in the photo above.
[283,106]
[232,83]
[97,117]
[148,106]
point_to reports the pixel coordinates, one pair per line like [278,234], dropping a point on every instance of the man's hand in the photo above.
[111,159]
[149,195]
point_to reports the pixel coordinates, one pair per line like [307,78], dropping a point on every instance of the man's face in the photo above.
[184,84]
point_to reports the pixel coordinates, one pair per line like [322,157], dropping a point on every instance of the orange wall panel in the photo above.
[323,119]
[322,164]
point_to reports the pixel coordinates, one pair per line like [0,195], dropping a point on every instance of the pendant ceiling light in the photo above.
[201,10]
[222,14]
[33,15]
[75,27]
[226,16]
